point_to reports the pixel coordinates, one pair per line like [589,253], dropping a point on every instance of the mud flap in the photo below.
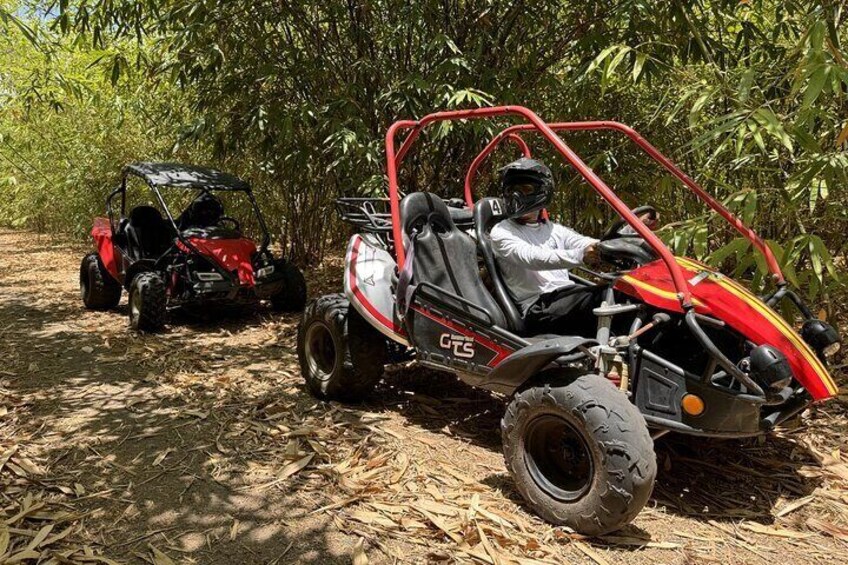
[522,365]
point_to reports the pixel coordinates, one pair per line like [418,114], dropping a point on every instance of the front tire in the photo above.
[292,298]
[98,290]
[148,302]
[580,454]
[340,356]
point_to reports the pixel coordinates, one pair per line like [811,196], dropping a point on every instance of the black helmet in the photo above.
[527,186]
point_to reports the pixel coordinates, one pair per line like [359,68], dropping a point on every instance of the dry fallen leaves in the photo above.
[359,556]
[411,483]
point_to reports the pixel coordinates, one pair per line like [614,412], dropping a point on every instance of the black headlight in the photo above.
[770,368]
[821,336]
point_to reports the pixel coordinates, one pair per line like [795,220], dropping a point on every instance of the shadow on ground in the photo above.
[179,439]
[157,463]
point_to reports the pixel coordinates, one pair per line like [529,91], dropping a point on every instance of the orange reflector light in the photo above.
[692,405]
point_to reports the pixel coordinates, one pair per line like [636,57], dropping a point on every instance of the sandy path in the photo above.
[203,444]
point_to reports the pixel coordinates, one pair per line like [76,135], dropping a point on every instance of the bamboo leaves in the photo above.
[749,96]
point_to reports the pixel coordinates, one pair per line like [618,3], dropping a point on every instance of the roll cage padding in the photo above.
[443,255]
[487,213]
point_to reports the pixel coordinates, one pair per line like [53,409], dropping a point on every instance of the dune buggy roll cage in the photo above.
[159,175]
[395,156]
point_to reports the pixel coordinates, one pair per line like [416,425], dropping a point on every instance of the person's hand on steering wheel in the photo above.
[235,225]
[591,255]
[650,218]
[622,246]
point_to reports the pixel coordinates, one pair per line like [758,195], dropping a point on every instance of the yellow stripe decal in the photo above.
[654,290]
[782,325]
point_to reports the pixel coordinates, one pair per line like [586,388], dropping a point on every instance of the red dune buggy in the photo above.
[677,347]
[200,258]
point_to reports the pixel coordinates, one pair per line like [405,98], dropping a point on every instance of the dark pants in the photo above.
[566,311]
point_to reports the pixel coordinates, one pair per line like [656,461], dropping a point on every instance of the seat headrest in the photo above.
[423,208]
[488,212]
[144,214]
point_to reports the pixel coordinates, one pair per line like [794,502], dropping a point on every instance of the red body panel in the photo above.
[717,295]
[231,254]
[102,234]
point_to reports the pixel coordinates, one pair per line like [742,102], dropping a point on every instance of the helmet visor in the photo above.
[525,188]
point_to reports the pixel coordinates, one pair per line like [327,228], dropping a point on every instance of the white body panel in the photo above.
[369,268]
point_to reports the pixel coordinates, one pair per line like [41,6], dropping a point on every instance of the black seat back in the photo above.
[148,235]
[487,213]
[204,211]
[444,256]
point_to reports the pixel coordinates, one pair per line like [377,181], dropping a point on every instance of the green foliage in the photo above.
[65,133]
[749,97]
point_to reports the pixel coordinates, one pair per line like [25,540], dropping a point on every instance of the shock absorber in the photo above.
[618,373]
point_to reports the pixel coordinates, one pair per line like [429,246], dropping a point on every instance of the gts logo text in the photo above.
[460,345]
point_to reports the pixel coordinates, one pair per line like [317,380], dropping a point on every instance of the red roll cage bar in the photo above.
[512,131]
[395,156]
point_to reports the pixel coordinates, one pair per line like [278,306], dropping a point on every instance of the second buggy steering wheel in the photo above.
[233,221]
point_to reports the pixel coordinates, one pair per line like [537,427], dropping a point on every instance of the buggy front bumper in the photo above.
[229,291]
[661,387]
[269,285]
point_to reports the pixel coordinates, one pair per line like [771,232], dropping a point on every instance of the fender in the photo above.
[528,361]
[718,295]
[368,282]
[101,231]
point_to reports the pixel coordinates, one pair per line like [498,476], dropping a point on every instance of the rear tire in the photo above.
[340,356]
[148,302]
[98,290]
[292,298]
[580,454]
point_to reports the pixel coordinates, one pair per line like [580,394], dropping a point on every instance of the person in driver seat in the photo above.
[535,254]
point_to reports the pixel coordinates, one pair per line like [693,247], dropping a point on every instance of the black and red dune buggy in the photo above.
[678,346]
[201,258]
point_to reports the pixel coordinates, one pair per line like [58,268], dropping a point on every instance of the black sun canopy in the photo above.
[185,176]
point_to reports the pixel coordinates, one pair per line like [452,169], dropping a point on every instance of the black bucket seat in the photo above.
[443,255]
[487,213]
[148,234]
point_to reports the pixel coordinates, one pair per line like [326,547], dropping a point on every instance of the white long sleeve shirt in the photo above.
[534,258]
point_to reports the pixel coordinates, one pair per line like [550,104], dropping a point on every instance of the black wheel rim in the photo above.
[320,351]
[558,458]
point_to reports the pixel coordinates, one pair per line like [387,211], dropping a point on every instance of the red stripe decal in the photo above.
[501,353]
[360,296]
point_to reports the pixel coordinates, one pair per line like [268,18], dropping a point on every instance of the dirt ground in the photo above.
[202,445]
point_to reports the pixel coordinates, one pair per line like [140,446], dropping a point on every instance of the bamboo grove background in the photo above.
[749,97]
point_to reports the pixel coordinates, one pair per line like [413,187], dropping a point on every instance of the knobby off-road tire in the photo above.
[292,298]
[148,303]
[580,453]
[98,290]
[341,355]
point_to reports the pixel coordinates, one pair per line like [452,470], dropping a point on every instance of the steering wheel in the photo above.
[615,229]
[622,247]
[235,223]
